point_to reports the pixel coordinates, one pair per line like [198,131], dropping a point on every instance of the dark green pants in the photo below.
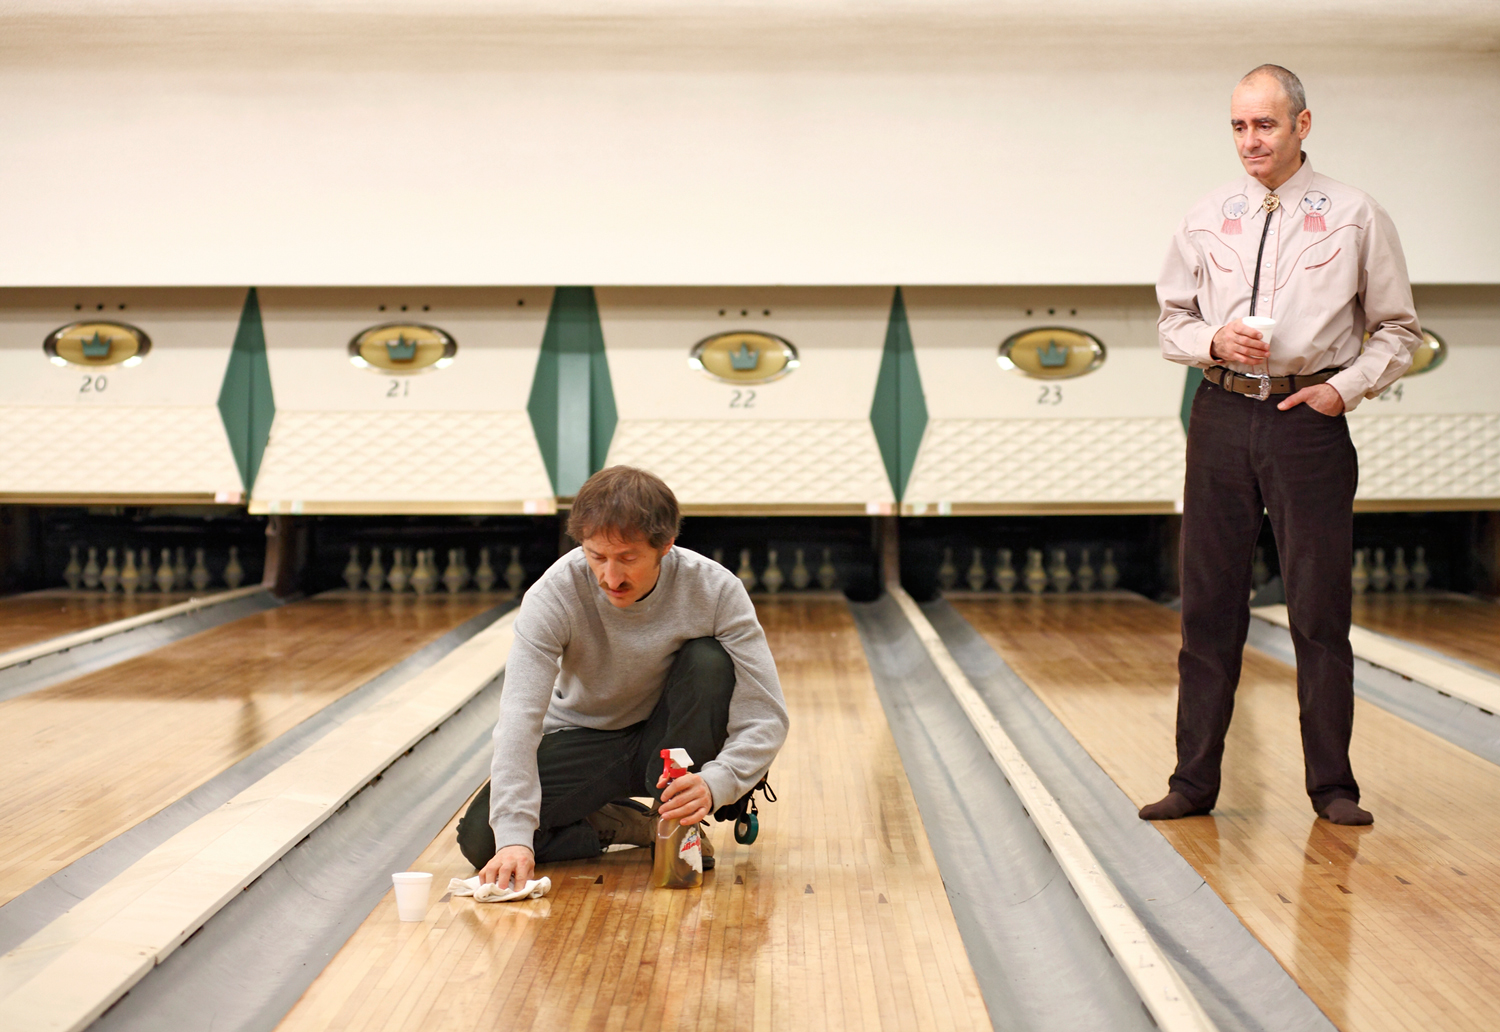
[581,769]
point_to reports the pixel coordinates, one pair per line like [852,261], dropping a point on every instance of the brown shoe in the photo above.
[1170,807]
[623,822]
[1346,811]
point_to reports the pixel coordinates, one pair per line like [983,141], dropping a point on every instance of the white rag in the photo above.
[492,893]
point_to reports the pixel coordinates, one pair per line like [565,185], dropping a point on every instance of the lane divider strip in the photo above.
[27,653]
[1166,997]
[70,972]
[1378,650]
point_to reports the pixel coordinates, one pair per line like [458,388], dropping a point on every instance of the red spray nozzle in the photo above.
[669,765]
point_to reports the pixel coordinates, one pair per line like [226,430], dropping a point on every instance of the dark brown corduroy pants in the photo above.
[1245,458]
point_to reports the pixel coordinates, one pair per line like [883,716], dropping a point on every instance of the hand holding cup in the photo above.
[1245,341]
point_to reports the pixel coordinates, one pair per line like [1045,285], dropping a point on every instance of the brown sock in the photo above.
[1346,811]
[1170,807]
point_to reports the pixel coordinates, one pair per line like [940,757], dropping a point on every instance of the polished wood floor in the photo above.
[86,759]
[1464,628]
[835,919]
[39,615]
[1393,927]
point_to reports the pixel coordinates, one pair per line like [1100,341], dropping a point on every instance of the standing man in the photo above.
[626,646]
[1268,434]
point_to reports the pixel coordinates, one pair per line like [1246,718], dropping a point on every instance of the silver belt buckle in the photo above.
[1265,386]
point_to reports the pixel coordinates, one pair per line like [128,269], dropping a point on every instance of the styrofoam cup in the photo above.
[412,890]
[1264,323]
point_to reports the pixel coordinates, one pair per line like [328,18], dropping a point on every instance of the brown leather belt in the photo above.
[1263,387]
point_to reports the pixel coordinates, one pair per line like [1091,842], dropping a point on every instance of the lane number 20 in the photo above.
[94,384]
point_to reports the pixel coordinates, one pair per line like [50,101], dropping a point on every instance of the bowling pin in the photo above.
[1036,577]
[947,572]
[1060,575]
[1360,576]
[73,572]
[976,576]
[164,573]
[1085,573]
[398,574]
[453,575]
[130,575]
[110,575]
[515,573]
[1420,574]
[234,573]
[180,569]
[1005,572]
[354,573]
[718,556]
[422,576]
[746,572]
[484,576]
[375,572]
[199,573]
[801,575]
[1260,572]
[828,574]
[1109,573]
[91,570]
[1380,577]
[772,578]
[1400,572]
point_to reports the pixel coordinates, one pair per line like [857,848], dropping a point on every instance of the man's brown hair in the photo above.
[625,502]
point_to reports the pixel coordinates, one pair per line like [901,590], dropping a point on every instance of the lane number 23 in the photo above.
[1050,395]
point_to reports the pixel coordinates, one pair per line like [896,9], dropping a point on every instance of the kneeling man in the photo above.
[624,647]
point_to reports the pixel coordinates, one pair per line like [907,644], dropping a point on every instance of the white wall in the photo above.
[810,142]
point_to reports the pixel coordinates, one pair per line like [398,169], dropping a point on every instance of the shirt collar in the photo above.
[1290,191]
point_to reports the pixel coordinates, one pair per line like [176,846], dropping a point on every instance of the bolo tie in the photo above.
[1269,205]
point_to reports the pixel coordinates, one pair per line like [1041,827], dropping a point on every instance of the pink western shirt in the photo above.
[1332,270]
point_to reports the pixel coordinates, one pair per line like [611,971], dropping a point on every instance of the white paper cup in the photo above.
[1264,323]
[412,890]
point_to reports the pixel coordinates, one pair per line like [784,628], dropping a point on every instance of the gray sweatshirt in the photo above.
[578,661]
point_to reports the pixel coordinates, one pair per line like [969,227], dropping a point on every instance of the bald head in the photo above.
[1289,84]
[1268,114]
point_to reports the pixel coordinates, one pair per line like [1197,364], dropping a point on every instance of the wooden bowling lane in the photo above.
[1392,927]
[1464,628]
[835,919]
[84,760]
[40,615]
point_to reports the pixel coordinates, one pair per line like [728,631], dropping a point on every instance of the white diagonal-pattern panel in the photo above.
[762,462]
[146,450]
[977,461]
[412,456]
[1428,456]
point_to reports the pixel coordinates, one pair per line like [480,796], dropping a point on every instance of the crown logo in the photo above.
[744,360]
[1052,356]
[96,346]
[401,349]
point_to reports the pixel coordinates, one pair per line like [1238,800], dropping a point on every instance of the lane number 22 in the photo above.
[742,399]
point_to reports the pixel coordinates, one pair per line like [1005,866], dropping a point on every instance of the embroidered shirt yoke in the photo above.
[1331,270]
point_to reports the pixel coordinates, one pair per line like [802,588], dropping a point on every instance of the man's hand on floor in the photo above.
[686,800]
[512,862]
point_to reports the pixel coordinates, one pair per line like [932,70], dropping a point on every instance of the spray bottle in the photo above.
[678,862]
